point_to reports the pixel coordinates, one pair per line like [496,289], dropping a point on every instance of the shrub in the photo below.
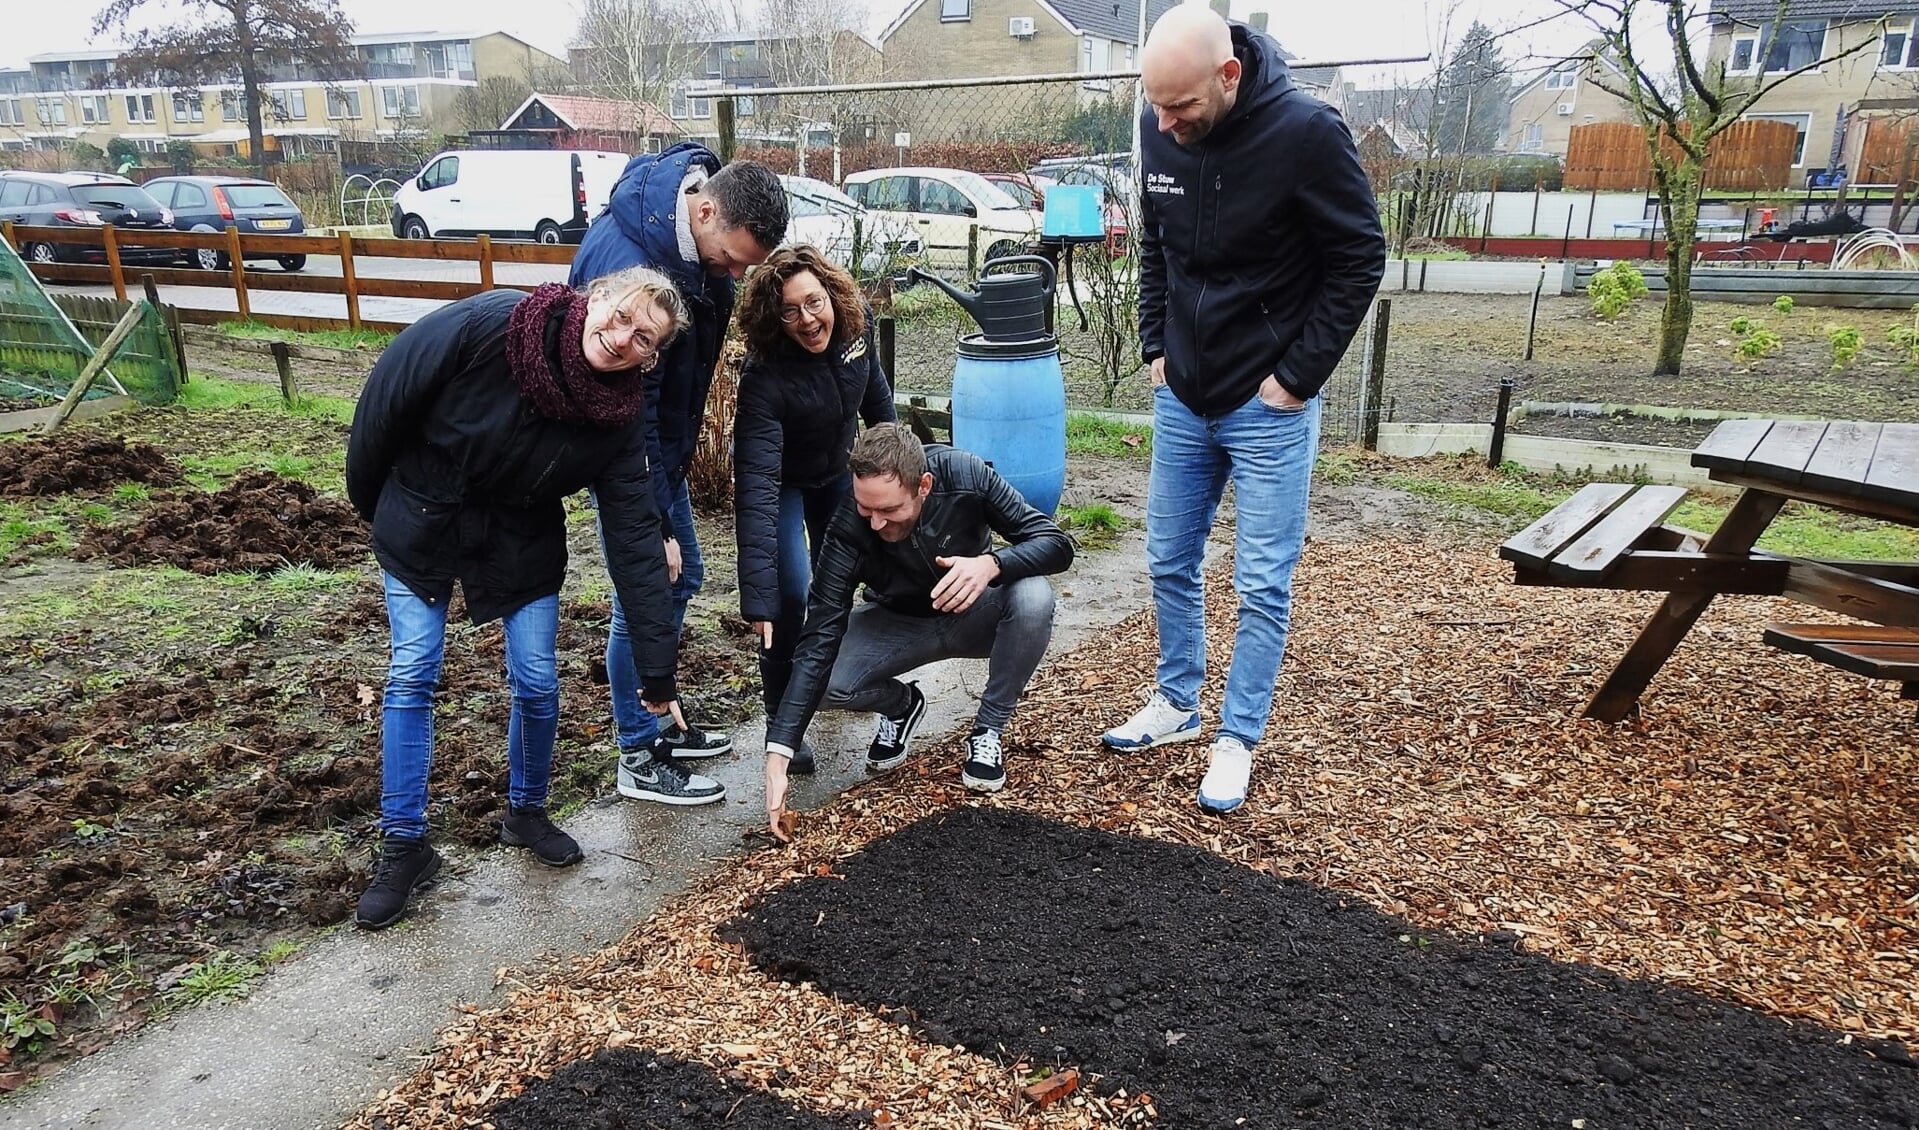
[1757,341]
[1906,338]
[1845,342]
[1741,326]
[1783,304]
[1613,289]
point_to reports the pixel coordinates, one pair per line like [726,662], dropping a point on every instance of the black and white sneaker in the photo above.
[645,777]
[895,737]
[403,868]
[691,744]
[985,768]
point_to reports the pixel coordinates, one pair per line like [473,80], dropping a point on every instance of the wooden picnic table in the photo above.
[1858,468]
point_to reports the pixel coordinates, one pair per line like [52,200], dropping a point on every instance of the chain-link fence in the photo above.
[44,345]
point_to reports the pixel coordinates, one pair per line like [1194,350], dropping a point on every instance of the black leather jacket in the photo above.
[968,504]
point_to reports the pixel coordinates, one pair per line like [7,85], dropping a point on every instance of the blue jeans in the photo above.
[1268,453]
[633,725]
[406,723]
[804,514]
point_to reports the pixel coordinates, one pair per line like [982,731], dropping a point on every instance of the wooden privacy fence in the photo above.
[1887,157]
[344,247]
[1751,155]
[150,365]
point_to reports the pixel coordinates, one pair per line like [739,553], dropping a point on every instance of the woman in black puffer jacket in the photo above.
[474,425]
[812,373]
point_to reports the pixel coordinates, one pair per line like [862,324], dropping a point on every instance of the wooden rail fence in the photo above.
[110,242]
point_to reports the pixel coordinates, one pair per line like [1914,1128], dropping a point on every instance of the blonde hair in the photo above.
[624,285]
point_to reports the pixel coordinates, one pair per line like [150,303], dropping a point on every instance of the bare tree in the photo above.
[636,50]
[1681,117]
[234,41]
[486,104]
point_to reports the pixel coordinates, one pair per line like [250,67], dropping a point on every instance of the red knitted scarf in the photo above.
[545,349]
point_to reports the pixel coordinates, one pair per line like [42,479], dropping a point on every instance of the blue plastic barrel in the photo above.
[1009,408]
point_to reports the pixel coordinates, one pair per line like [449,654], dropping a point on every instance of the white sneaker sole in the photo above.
[982,785]
[1195,733]
[635,793]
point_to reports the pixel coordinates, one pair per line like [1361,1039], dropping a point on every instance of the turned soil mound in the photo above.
[1238,999]
[629,1089]
[80,461]
[258,522]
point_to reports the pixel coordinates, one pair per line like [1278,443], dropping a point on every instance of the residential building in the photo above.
[404,82]
[1572,92]
[939,39]
[573,121]
[1870,67]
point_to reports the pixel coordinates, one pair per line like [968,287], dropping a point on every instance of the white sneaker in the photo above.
[1224,786]
[1159,722]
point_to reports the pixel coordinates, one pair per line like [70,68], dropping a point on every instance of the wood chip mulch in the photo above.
[1752,835]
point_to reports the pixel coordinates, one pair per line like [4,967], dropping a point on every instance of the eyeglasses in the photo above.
[813,307]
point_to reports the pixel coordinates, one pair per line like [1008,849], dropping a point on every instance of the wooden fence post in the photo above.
[972,254]
[283,361]
[1376,374]
[486,261]
[729,144]
[172,319]
[350,281]
[111,241]
[237,260]
[6,232]
[95,366]
[888,342]
[1496,450]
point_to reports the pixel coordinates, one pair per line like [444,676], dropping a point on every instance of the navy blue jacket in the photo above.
[1260,245]
[638,229]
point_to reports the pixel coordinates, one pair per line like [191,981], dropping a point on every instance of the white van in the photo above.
[548,195]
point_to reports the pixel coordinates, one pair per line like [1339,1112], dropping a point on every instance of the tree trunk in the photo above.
[250,87]
[1679,201]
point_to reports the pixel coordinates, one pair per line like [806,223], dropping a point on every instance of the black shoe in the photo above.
[802,763]
[531,828]
[403,867]
[985,768]
[690,744]
[895,737]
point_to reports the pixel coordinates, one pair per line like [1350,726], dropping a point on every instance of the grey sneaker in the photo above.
[692,743]
[645,777]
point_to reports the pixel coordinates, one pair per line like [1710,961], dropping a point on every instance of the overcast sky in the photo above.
[1311,29]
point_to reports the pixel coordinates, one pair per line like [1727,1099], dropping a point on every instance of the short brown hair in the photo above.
[889,449]
[762,297]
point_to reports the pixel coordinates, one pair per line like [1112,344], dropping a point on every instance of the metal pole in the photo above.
[1532,318]
[888,342]
[1376,375]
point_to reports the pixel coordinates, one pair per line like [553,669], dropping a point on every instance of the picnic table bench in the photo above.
[1614,536]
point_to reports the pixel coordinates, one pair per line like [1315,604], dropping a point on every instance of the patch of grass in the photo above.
[211,394]
[21,528]
[132,493]
[223,976]
[23,1031]
[369,340]
[1517,501]
[1094,525]
[1087,434]
[211,472]
[280,951]
[308,578]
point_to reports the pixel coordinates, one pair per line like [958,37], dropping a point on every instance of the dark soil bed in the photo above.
[81,461]
[1682,434]
[257,522]
[630,1089]
[1238,999]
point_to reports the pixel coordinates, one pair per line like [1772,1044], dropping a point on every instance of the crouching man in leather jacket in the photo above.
[918,533]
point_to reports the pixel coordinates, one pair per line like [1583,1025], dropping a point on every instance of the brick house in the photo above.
[1545,109]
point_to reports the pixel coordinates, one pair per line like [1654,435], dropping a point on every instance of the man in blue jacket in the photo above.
[678,212]
[1260,251]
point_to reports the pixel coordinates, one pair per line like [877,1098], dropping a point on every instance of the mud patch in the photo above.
[1238,999]
[623,1088]
[256,523]
[81,461]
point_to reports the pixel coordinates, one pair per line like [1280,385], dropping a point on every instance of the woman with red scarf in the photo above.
[474,425]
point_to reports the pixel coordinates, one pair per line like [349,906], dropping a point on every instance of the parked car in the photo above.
[824,217]
[84,200]
[944,205]
[1030,190]
[546,195]
[212,204]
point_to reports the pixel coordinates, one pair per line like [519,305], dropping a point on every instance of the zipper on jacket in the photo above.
[1266,319]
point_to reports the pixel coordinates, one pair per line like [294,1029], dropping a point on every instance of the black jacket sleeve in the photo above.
[404,383]
[636,560]
[651,387]
[1152,278]
[758,454]
[877,405]
[1339,210]
[829,603]
[1036,546]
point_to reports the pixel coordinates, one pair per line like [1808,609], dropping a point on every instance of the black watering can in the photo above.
[1009,306]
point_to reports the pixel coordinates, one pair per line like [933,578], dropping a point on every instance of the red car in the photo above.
[1029,190]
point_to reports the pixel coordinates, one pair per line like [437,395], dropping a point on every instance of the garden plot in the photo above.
[1449,900]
